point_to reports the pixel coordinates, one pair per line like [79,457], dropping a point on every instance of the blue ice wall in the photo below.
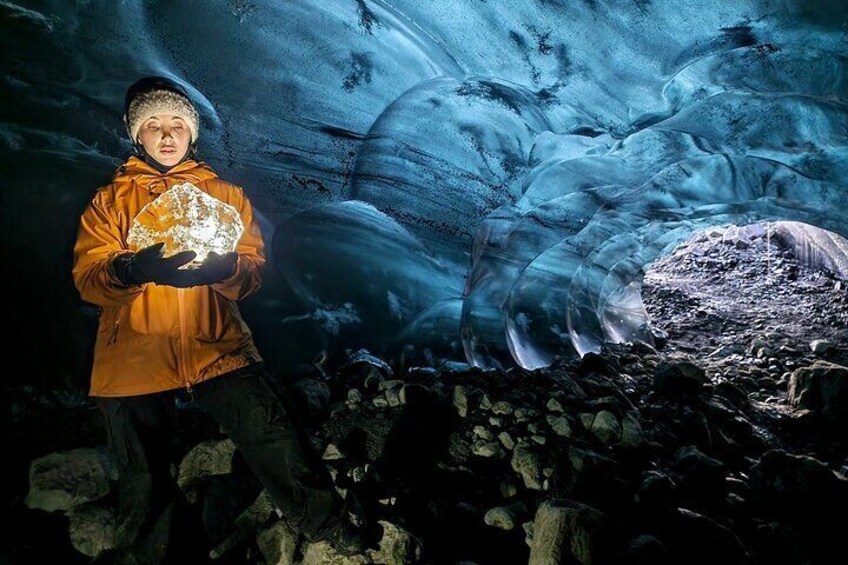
[475,180]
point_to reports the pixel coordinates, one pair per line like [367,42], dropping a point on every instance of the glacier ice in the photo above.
[187,219]
[479,181]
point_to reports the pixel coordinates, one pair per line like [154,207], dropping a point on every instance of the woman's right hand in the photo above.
[148,265]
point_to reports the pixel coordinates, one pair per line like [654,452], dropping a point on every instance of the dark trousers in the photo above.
[155,523]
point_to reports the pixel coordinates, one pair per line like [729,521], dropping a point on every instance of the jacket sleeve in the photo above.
[251,255]
[99,240]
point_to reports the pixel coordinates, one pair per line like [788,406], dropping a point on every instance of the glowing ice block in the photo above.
[186,218]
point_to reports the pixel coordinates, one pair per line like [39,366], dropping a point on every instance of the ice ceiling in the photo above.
[476,180]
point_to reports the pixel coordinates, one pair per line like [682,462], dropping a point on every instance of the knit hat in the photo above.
[158,95]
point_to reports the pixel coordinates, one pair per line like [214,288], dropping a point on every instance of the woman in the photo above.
[164,329]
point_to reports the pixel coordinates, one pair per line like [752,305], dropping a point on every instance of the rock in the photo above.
[756,344]
[631,431]
[588,462]
[249,523]
[392,389]
[731,392]
[523,414]
[506,440]
[354,396]
[820,346]
[606,427]
[91,528]
[660,337]
[680,377]
[393,397]
[502,408]
[277,544]
[728,350]
[380,401]
[314,394]
[641,348]
[591,362]
[778,543]
[397,546]
[63,480]
[703,476]
[460,400]
[322,553]
[483,433]
[485,402]
[211,457]
[569,385]
[505,517]
[566,531]
[484,448]
[645,550]
[693,534]
[508,488]
[527,463]
[655,492]
[554,405]
[822,388]
[363,363]
[797,487]
[332,453]
[559,425]
[414,394]
[528,533]
[358,473]
[390,384]
[753,231]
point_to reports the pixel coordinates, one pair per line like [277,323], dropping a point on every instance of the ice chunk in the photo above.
[186,218]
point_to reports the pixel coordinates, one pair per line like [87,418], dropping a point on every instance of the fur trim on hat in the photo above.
[148,104]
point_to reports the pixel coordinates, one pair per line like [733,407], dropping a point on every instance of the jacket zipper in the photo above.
[183,360]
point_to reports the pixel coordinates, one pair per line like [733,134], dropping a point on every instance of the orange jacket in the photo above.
[152,338]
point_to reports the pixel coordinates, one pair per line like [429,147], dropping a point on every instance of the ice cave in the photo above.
[537,271]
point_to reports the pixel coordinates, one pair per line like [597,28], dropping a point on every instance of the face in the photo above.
[165,137]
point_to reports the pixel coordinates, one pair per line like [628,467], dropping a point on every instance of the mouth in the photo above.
[168,150]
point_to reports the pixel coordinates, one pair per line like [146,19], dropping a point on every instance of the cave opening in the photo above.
[752,302]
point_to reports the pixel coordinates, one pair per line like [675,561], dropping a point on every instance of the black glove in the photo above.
[148,265]
[215,268]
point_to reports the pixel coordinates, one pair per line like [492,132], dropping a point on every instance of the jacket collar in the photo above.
[135,170]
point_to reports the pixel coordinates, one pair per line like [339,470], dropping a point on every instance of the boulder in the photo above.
[680,377]
[567,531]
[63,480]
[822,388]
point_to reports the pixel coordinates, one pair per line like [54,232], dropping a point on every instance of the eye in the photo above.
[152,126]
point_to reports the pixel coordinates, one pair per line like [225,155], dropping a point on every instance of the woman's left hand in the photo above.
[215,268]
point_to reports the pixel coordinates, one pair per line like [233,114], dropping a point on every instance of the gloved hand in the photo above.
[148,265]
[215,268]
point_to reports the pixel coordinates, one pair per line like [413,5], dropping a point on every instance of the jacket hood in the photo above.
[143,174]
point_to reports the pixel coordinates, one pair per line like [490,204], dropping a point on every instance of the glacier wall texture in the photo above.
[477,181]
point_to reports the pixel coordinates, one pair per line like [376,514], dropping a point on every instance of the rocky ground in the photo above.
[744,304]
[729,444]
